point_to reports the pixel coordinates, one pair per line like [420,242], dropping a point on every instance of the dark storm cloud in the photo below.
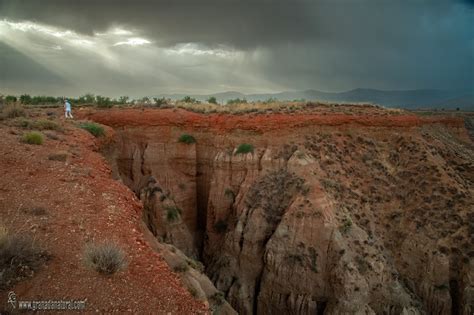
[294,44]
[240,23]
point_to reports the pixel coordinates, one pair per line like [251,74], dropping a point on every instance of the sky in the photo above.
[145,47]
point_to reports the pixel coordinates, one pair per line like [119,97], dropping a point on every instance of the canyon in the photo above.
[347,209]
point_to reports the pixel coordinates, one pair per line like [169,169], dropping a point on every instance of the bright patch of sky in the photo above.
[99,62]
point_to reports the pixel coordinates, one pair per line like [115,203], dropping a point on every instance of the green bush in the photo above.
[346,225]
[212,100]
[33,138]
[172,213]
[10,99]
[106,258]
[237,101]
[188,139]
[244,148]
[94,129]
[25,99]
[160,101]
[103,102]
[189,99]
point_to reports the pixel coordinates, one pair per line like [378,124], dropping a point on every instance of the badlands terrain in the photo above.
[300,209]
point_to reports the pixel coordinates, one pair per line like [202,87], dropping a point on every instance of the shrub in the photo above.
[195,264]
[220,226]
[19,258]
[159,101]
[193,292]
[14,111]
[23,123]
[44,124]
[10,99]
[94,129]
[58,156]
[346,225]
[229,193]
[236,101]
[172,213]
[188,139]
[182,267]
[103,102]
[25,99]
[218,298]
[212,100]
[244,148]
[38,211]
[33,138]
[106,258]
[189,99]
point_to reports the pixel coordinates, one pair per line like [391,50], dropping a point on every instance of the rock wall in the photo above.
[317,219]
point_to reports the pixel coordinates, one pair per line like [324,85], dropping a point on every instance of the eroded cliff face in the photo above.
[322,217]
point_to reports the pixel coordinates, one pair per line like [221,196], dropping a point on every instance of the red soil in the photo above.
[222,123]
[83,203]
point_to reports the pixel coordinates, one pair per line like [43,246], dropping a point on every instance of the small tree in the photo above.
[10,99]
[87,99]
[145,100]
[159,101]
[212,100]
[25,99]
[236,101]
[103,101]
[123,99]
[189,99]
[270,100]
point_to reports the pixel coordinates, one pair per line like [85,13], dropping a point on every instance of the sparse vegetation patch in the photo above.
[182,267]
[20,257]
[229,193]
[45,124]
[218,298]
[106,258]
[244,148]
[95,129]
[346,226]
[273,193]
[13,111]
[186,138]
[58,156]
[33,138]
[172,213]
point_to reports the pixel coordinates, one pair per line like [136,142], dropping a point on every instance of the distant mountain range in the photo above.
[411,99]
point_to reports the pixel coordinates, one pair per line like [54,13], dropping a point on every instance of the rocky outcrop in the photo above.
[333,216]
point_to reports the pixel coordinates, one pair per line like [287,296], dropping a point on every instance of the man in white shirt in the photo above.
[67,107]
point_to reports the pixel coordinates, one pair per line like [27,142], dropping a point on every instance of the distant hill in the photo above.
[411,99]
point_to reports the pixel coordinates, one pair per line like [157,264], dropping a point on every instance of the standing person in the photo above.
[67,108]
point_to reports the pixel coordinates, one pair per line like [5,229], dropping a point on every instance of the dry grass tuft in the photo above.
[106,258]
